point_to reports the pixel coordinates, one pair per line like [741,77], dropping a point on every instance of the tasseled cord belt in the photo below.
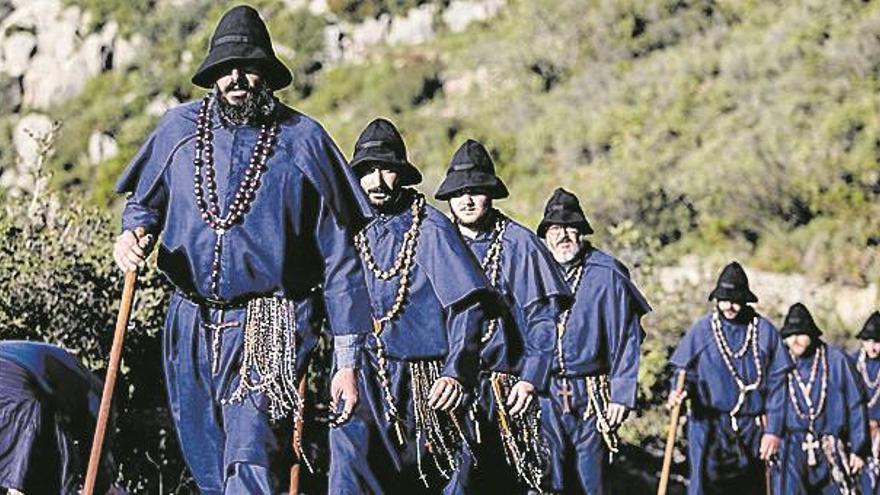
[268,363]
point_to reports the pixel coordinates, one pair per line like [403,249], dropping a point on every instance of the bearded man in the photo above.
[736,367]
[825,434]
[427,294]
[593,385]
[518,342]
[867,360]
[257,212]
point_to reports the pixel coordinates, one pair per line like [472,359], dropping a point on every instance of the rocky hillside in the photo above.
[694,132]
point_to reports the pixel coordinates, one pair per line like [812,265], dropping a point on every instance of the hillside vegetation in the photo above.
[724,129]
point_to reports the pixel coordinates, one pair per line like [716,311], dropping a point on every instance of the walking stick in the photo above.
[110,380]
[297,440]
[768,486]
[670,436]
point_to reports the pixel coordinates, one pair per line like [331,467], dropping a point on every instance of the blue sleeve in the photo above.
[540,341]
[624,336]
[857,414]
[344,287]
[146,204]
[779,364]
[685,356]
[463,357]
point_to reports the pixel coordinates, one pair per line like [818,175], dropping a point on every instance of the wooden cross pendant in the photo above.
[565,394]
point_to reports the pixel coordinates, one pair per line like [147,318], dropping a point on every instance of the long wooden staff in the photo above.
[110,380]
[297,440]
[768,485]
[670,436]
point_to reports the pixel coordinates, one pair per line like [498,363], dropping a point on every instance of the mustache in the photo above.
[379,189]
[238,85]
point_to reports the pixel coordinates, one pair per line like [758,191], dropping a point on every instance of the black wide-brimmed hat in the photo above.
[733,285]
[871,330]
[381,143]
[799,321]
[241,37]
[563,208]
[471,167]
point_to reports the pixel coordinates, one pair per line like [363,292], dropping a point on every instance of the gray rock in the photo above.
[102,147]
[462,13]
[160,105]
[416,27]
[17,50]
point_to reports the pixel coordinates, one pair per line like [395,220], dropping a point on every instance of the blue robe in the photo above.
[440,321]
[870,478]
[722,462]
[531,292]
[603,336]
[294,242]
[48,407]
[843,417]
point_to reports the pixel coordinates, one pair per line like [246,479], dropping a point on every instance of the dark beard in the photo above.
[258,107]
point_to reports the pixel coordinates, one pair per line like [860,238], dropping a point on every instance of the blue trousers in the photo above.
[796,477]
[488,471]
[365,456]
[723,462]
[578,454]
[230,448]
[865,482]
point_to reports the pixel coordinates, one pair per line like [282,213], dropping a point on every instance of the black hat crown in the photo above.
[471,167]
[564,208]
[733,285]
[241,37]
[381,142]
[871,330]
[799,321]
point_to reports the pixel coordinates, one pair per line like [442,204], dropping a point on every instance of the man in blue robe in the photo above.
[593,383]
[257,212]
[736,367]
[867,360]
[518,342]
[427,294]
[48,408]
[824,437]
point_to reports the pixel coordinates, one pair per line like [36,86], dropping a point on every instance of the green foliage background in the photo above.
[721,128]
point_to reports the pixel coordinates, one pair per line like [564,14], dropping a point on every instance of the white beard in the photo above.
[564,257]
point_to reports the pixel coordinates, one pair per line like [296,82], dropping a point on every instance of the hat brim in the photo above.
[868,335]
[786,331]
[581,224]
[722,294]
[275,73]
[408,173]
[457,182]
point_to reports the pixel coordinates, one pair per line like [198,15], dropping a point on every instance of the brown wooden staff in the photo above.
[297,440]
[670,436]
[110,380]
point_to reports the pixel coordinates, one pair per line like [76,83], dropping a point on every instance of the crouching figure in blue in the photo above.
[594,375]
[867,360]
[518,341]
[427,294]
[736,368]
[48,410]
[257,212]
[825,437]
